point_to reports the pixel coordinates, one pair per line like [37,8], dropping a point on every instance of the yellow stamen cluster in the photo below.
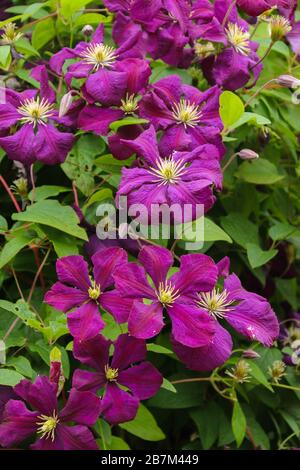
[111,374]
[94,291]
[167,294]
[238,38]
[279,27]
[186,113]
[240,373]
[35,111]
[130,104]
[216,303]
[99,55]
[10,34]
[277,370]
[168,171]
[204,50]
[47,425]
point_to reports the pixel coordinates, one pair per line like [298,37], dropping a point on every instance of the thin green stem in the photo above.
[264,56]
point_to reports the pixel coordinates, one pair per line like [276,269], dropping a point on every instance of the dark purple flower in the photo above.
[257,7]
[248,313]
[227,54]
[6,394]
[98,118]
[77,290]
[101,65]
[187,116]
[190,326]
[45,420]
[181,178]
[142,380]
[34,115]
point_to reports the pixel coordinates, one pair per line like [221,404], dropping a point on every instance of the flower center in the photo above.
[238,38]
[99,55]
[94,291]
[215,302]
[204,50]
[186,113]
[10,35]
[168,171]
[47,425]
[111,374]
[130,104]
[35,111]
[167,294]
[279,27]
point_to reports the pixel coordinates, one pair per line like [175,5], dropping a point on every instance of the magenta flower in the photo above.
[82,294]
[190,326]
[182,178]
[35,137]
[98,118]
[6,394]
[247,313]
[187,116]
[46,421]
[127,368]
[101,65]
[257,7]
[228,56]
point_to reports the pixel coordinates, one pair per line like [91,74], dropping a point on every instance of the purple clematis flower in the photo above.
[101,65]
[77,290]
[248,313]
[98,118]
[46,420]
[6,393]
[142,380]
[257,7]
[182,178]
[223,45]
[34,115]
[187,116]
[162,25]
[190,326]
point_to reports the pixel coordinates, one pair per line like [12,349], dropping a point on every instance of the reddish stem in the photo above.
[76,200]
[12,197]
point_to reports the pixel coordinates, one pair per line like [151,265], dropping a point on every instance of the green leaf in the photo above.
[13,246]
[46,191]
[69,7]
[256,372]
[288,288]
[30,10]
[257,257]
[231,108]
[43,32]
[92,18]
[4,55]
[129,121]
[63,246]
[111,164]
[168,386]
[212,232]
[117,443]
[10,377]
[280,231]
[3,224]
[144,426]
[53,214]
[24,47]
[207,420]
[21,365]
[188,395]
[99,196]
[156,348]
[238,423]
[241,230]
[252,119]
[259,171]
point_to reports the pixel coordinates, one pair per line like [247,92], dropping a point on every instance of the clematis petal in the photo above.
[81,407]
[157,261]
[52,146]
[118,406]
[20,146]
[117,305]
[85,322]
[8,116]
[73,270]
[95,119]
[68,438]
[41,395]
[191,327]
[65,298]
[105,264]
[143,380]
[207,357]
[131,282]
[84,380]
[93,352]
[145,145]
[18,423]
[128,350]
[107,87]
[145,321]
[138,72]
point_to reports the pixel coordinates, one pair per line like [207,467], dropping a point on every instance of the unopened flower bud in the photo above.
[279,27]
[87,30]
[288,81]
[240,373]
[248,154]
[20,186]
[56,375]
[250,354]
[65,104]
[277,370]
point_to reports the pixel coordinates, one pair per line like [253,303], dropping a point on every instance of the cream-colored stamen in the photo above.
[99,55]
[238,38]
[168,171]
[167,294]
[186,113]
[216,303]
[47,425]
[36,111]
